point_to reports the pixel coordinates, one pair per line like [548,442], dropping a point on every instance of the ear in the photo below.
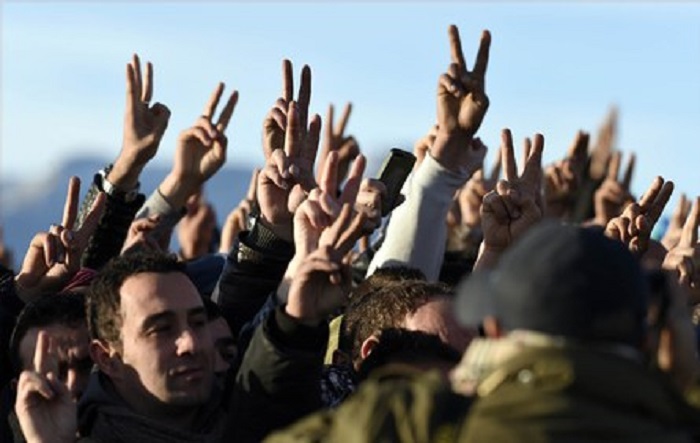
[368,345]
[106,358]
[492,327]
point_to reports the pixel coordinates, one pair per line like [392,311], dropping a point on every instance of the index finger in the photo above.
[70,208]
[304,95]
[227,112]
[456,47]
[343,123]
[689,236]
[292,138]
[660,202]
[44,357]
[213,102]
[329,175]
[287,81]
[508,156]
[650,195]
[354,181]
[579,147]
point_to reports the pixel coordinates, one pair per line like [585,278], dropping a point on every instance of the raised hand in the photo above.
[144,126]
[195,231]
[614,194]
[684,257]
[322,281]
[275,123]
[201,150]
[472,193]
[512,208]
[45,408]
[323,205]
[237,220]
[53,257]
[563,178]
[287,176]
[462,100]
[335,140]
[461,106]
[675,226]
[633,227]
[139,238]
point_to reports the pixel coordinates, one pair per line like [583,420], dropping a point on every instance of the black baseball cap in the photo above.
[561,280]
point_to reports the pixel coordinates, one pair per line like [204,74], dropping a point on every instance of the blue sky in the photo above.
[554,68]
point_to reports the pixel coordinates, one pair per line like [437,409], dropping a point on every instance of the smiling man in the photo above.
[151,343]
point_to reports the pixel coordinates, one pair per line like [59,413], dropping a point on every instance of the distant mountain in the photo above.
[30,206]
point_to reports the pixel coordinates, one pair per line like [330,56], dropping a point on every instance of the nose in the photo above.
[187,342]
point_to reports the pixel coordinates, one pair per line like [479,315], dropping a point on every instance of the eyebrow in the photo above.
[155,318]
[169,315]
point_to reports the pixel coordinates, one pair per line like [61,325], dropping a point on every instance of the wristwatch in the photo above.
[113,191]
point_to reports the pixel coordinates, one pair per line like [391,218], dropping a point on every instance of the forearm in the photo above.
[112,228]
[417,232]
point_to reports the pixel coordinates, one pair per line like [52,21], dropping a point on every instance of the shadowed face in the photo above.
[74,362]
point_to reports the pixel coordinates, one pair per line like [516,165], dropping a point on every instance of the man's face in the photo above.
[166,349]
[436,317]
[72,343]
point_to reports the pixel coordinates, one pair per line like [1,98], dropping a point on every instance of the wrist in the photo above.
[452,151]
[284,231]
[125,174]
[175,190]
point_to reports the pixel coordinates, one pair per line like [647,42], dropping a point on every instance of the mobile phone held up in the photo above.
[393,173]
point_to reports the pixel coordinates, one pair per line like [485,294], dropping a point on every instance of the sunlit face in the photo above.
[166,350]
[72,349]
[436,317]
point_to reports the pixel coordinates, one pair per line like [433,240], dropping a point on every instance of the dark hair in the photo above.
[381,307]
[398,345]
[66,309]
[104,300]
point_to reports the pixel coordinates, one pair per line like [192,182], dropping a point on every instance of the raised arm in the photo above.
[144,127]
[515,205]
[417,233]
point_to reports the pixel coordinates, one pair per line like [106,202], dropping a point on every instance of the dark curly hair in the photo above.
[103,299]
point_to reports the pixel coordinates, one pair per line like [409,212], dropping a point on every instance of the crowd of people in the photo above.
[519,304]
